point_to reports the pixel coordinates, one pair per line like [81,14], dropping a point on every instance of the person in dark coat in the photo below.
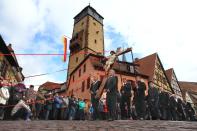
[153,101]
[111,88]
[164,104]
[173,107]
[180,110]
[125,103]
[95,101]
[140,99]
[191,112]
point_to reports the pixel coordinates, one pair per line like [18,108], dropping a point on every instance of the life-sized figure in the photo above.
[125,104]
[95,101]
[111,88]
[153,101]
[140,99]
[113,56]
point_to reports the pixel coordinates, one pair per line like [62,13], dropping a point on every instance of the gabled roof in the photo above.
[188,87]
[147,65]
[169,74]
[51,85]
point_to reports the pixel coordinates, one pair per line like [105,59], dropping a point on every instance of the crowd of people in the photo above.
[133,101]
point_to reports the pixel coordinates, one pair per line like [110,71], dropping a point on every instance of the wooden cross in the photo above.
[111,60]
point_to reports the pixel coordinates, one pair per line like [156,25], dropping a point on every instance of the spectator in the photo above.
[64,108]
[4,96]
[31,98]
[57,106]
[72,108]
[82,106]
[40,100]
[48,105]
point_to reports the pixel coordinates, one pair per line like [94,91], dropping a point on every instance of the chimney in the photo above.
[136,60]
[10,48]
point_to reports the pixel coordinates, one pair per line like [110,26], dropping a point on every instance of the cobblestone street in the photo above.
[119,125]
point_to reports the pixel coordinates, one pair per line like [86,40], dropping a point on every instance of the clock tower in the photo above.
[87,37]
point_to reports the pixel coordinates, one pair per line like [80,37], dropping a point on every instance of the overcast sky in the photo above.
[168,27]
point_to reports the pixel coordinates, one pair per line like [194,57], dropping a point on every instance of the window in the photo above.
[94,24]
[79,72]
[83,86]
[82,23]
[84,68]
[73,78]
[77,59]
[95,41]
[88,83]
[97,32]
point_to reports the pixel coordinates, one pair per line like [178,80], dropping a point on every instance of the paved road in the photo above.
[119,125]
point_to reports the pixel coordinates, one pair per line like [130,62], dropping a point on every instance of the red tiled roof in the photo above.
[188,87]
[169,73]
[51,85]
[147,65]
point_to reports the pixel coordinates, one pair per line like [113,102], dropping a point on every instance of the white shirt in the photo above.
[4,95]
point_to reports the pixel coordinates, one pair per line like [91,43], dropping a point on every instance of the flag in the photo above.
[65,48]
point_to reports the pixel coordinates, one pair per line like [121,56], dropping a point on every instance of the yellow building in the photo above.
[87,37]
[9,67]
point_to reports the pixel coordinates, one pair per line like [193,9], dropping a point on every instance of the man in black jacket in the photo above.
[125,104]
[140,99]
[164,104]
[153,101]
[173,107]
[95,101]
[111,88]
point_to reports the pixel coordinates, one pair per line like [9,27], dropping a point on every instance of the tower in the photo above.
[87,37]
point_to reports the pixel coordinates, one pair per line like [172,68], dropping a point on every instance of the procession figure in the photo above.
[153,101]
[111,88]
[126,93]
[95,101]
[140,99]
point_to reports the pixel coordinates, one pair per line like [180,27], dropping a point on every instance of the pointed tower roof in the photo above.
[88,10]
